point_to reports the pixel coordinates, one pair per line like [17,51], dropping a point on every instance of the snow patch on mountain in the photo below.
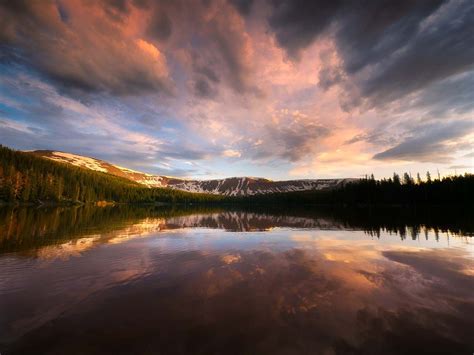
[78,160]
[234,186]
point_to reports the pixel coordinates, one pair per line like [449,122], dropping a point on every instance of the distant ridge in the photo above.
[234,186]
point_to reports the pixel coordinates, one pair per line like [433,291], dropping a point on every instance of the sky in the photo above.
[217,88]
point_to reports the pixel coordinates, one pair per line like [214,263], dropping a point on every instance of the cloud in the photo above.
[294,297]
[376,137]
[231,153]
[209,39]
[89,51]
[328,76]
[52,121]
[197,81]
[160,26]
[432,264]
[300,140]
[203,88]
[388,49]
[290,140]
[298,23]
[243,6]
[441,47]
[448,97]
[124,47]
[431,143]
[183,153]
[460,167]
[370,33]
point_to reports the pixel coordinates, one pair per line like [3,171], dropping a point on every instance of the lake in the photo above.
[155,280]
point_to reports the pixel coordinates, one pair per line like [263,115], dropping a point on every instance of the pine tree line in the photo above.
[30,179]
[450,190]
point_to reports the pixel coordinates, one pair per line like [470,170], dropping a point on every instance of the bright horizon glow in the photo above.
[280,90]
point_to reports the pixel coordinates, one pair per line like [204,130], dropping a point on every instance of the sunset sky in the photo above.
[216,88]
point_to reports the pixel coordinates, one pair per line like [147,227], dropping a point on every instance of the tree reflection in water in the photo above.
[150,280]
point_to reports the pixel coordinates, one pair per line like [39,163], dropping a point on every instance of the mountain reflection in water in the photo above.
[148,280]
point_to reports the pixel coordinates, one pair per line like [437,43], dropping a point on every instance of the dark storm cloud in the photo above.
[82,53]
[361,25]
[243,6]
[208,73]
[369,31]
[427,143]
[443,49]
[329,76]
[86,47]
[298,23]
[116,9]
[220,49]
[202,88]
[408,44]
[95,52]
[230,45]
[206,79]
[442,102]
[160,26]
[453,95]
[95,47]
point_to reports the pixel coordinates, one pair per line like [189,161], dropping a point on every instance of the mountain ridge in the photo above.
[232,186]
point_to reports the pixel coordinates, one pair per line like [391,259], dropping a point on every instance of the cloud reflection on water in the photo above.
[181,284]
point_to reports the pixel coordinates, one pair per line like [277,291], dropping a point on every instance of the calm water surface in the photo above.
[125,280]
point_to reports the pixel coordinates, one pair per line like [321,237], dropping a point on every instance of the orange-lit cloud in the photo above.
[267,88]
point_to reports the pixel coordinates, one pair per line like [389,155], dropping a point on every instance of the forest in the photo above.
[406,191]
[25,178]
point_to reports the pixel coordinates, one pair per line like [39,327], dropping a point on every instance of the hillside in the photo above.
[234,186]
[102,166]
[29,178]
[32,178]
